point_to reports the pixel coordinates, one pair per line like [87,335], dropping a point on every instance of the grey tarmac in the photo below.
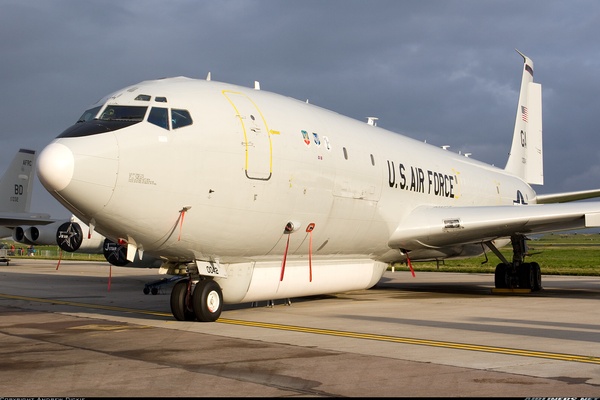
[64,333]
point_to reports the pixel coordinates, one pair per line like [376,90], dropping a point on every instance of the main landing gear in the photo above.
[193,299]
[517,274]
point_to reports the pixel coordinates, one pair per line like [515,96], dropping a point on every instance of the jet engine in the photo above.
[116,254]
[19,234]
[67,234]
[40,234]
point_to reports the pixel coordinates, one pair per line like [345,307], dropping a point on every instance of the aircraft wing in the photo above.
[433,227]
[567,196]
[12,220]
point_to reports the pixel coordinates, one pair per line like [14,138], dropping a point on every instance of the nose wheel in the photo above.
[181,301]
[207,301]
[203,301]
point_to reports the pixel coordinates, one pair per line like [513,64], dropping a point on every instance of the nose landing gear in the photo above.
[201,300]
[207,301]
[181,305]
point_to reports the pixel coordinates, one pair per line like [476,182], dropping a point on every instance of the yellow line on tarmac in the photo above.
[420,342]
[331,332]
[84,305]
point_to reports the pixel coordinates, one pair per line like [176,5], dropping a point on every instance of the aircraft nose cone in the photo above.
[55,167]
[80,172]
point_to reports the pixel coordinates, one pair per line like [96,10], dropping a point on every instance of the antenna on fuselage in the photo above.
[256,85]
[372,121]
[208,76]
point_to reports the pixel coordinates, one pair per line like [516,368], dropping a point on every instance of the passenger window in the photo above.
[180,118]
[159,117]
[345,153]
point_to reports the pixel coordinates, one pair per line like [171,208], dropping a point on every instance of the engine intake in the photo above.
[115,253]
[69,236]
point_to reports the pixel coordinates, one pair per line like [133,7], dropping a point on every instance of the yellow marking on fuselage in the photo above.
[269,131]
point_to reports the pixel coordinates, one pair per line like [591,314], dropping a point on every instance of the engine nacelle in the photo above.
[37,234]
[69,235]
[42,234]
[116,254]
[73,236]
[18,234]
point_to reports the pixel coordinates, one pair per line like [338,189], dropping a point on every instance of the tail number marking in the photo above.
[209,268]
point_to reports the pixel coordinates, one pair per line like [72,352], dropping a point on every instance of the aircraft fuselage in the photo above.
[217,172]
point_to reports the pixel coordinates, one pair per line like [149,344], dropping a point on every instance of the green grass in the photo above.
[50,253]
[557,254]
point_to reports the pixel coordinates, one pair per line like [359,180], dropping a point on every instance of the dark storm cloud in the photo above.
[441,71]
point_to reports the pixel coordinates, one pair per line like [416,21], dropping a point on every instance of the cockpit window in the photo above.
[89,114]
[123,113]
[160,117]
[180,118]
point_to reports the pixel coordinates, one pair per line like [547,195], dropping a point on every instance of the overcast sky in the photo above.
[441,71]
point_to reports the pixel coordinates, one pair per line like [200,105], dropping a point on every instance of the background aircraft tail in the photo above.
[526,158]
[17,183]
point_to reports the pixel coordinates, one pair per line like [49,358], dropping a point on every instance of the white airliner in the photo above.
[257,196]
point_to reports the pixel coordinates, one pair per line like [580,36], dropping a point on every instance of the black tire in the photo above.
[179,305]
[526,276]
[207,301]
[500,276]
[537,276]
[146,290]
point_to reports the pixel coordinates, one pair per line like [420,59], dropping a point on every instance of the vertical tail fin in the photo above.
[17,183]
[526,158]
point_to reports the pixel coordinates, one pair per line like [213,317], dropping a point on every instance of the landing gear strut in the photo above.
[517,274]
[202,301]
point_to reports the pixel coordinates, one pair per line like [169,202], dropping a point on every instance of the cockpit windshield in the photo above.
[123,113]
[115,117]
[89,114]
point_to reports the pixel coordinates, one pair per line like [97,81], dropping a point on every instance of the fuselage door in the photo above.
[256,136]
